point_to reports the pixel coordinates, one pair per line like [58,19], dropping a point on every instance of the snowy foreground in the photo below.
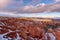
[24,29]
[52,37]
[2,37]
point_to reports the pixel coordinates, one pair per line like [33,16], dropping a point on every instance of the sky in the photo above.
[18,4]
[44,15]
[30,6]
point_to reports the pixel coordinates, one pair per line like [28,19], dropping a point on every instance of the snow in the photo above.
[52,37]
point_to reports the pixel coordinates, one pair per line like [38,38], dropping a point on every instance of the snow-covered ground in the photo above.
[1,36]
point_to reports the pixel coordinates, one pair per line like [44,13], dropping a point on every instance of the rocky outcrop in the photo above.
[20,28]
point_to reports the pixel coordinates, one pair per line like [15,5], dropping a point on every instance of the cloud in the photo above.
[10,5]
[41,7]
[57,0]
[34,2]
[17,3]
[44,15]
[29,8]
[4,3]
[32,9]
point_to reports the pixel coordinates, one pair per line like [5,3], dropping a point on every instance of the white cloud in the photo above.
[4,3]
[28,7]
[42,8]
[40,4]
[57,0]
